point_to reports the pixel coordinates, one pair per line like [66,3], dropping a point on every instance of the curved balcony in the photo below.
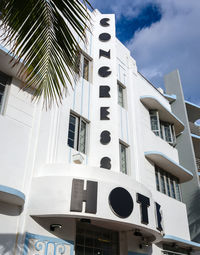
[65,184]
[11,196]
[195,130]
[193,111]
[169,165]
[182,243]
[153,103]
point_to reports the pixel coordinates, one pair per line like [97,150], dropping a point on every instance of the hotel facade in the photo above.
[111,171]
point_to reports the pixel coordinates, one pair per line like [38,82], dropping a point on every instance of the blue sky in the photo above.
[162,35]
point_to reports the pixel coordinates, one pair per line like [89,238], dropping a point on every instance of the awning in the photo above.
[164,114]
[181,242]
[169,165]
[11,196]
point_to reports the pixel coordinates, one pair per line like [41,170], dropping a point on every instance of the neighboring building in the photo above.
[188,145]
[100,174]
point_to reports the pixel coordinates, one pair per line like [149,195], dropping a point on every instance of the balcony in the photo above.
[198,164]
[194,129]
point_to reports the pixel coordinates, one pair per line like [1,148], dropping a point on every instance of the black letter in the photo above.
[144,204]
[103,53]
[79,195]
[105,163]
[104,71]
[105,137]
[104,37]
[104,91]
[104,113]
[158,217]
[104,22]
[121,202]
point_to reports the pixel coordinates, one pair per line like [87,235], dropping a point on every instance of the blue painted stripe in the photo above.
[121,123]
[12,191]
[89,82]
[90,43]
[70,154]
[48,240]
[124,78]
[195,105]
[173,97]
[82,94]
[89,102]
[74,97]
[127,127]
[189,243]
[195,136]
[119,71]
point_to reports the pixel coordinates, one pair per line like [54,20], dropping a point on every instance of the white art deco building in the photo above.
[101,174]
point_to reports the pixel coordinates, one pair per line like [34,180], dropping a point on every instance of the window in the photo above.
[155,125]
[86,69]
[121,93]
[123,158]
[167,183]
[3,81]
[160,128]
[77,133]
[83,66]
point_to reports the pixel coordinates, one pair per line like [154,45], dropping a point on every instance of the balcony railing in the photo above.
[194,129]
[198,164]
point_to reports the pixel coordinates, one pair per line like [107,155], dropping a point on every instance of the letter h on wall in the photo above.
[79,195]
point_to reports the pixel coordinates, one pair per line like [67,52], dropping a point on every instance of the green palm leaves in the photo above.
[42,33]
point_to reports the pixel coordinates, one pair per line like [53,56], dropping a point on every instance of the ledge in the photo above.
[196,137]
[170,98]
[181,242]
[193,111]
[165,115]
[169,165]
[11,196]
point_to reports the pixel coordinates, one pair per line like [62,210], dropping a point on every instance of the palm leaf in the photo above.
[42,33]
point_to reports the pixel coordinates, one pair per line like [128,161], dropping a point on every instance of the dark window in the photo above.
[3,81]
[167,183]
[160,128]
[86,69]
[121,95]
[123,158]
[77,133]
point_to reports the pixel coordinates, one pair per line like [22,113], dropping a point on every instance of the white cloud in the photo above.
[126,8]
[172,43]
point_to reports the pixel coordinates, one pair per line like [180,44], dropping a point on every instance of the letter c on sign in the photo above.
[104,22]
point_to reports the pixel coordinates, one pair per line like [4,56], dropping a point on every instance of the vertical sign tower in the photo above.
[105,137]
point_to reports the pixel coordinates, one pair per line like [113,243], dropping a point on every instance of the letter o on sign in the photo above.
[121,202]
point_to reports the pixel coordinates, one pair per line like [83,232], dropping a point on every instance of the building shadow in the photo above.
[8,244]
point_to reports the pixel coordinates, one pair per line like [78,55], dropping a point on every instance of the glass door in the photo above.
[92,240]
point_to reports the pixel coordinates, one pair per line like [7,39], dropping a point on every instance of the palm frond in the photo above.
[42,33]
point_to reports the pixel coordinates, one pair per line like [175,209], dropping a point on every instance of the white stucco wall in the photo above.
[36,159]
